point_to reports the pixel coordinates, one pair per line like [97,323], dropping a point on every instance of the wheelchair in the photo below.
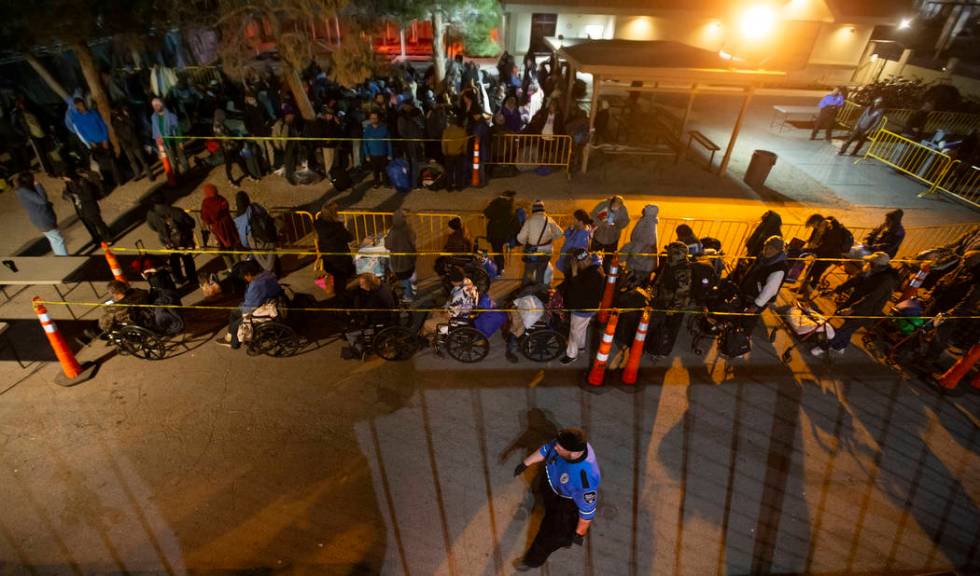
[394,342]
[544,341]
[141,337]
[138,341]
[270,332]
[462,341]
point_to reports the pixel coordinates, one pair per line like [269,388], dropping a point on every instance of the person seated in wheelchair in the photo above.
[954,300]
[263,286]
[128,307]
[373,308]
[463,299]
[458,245]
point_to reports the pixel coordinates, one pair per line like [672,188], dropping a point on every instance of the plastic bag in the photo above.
[531,309]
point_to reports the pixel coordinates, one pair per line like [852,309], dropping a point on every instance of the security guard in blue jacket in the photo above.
[569,488]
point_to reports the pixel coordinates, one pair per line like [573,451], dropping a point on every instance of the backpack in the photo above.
[734,342]
[397,171]
[263,226]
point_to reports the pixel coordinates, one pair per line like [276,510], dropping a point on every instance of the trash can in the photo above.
[759,168]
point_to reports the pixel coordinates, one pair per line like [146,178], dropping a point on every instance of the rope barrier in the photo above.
[478,310]
[313,139]
[301,252]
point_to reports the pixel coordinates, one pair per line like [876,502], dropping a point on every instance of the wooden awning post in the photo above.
[593,110]
[687,111]
[738,126]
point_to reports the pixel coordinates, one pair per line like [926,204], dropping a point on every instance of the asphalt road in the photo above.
[213,462]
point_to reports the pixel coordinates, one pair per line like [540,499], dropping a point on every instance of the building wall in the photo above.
[594,26]
[707,33]
[840,44]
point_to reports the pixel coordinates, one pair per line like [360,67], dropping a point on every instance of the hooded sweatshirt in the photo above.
[401,238]
[216,215]
[609,225]
[643,240]
[770,225]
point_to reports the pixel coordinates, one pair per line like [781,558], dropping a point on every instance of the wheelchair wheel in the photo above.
[542,345]
[395,343]
[273,339]
[140,342]
[467,344]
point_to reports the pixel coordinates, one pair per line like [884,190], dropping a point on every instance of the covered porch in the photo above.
[633,68]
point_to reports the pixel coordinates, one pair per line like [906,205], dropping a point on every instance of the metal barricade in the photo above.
[909,157]
[962,181]
[530,150]
[848,115]
[952,122]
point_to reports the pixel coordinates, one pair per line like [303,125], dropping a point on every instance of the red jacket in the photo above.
[217,217]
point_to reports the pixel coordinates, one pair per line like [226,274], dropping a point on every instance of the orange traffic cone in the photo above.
[598,371]
[916,282]
[168,168]
[476,163]
[117,271]
[610,292]
[957,371]
[73,372]
[636,350]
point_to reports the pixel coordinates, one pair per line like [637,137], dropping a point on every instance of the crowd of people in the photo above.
[673,276]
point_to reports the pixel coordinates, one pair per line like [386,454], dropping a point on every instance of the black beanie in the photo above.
[456,274]
[572,439]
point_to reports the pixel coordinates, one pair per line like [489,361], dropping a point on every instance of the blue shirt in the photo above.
[261,289]
[89,126]
[578,481]
[375,141]
[831,100]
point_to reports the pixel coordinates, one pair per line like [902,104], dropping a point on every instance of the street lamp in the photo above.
[905,24]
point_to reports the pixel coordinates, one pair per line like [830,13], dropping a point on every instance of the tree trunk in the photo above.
[438,46]
[91,72]
[50,80]
[299,92]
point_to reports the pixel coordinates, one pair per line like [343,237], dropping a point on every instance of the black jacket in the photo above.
[334,238]
[869,292]
[583,291]
[84,196]
[502,223]
[174,226]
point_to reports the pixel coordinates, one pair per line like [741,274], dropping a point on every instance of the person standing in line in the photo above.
[537,235]
[256,231]
[40,211]
[454,150]
[641,250]
[411,131]
[827,115]
[502,225]
[84,196]
[93,132]
[611,218]
[176,231]
[582,292]
[569,488]
[129,142]
[866,123]
[166,133]
[216,215]
[377,147]
[333,243]
[401,242]
[578,235]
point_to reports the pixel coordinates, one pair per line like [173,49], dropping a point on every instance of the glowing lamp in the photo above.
[757,22]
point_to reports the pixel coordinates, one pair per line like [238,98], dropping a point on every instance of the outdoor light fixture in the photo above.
[757,22]
[905,24]
[714,26]
[724,55]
